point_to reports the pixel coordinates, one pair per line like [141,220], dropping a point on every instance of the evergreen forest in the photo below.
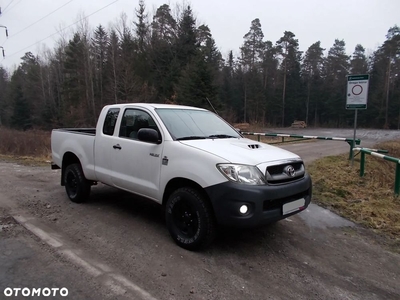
[168,57]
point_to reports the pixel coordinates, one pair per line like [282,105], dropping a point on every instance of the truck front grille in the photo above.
[285,172]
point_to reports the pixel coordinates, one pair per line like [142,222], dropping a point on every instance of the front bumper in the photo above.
[265,202]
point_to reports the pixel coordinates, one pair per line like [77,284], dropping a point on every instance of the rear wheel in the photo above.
[76,185]
[190,219]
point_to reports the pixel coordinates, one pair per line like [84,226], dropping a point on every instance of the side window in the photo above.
[110,121]
[133,120]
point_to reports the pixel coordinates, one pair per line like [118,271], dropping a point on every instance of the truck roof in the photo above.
[155,106]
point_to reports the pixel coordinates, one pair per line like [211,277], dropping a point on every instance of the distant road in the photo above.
[319,148]
[366,135]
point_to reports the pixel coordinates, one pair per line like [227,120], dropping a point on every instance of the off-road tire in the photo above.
[76,185]
[190,219]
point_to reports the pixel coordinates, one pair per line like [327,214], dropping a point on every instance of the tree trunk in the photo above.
[386,126]
[245,102]
[398,122]
[42,85]
[308,99]
[284,95]
[114,75]
[265,78]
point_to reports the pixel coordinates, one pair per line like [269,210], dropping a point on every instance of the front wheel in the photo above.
[76,185]
[190,219]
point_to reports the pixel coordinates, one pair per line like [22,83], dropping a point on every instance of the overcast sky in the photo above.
[357,22]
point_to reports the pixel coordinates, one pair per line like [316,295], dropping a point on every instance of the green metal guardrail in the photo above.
[351,142]
[378,153]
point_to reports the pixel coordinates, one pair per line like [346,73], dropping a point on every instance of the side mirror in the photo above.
[149,135]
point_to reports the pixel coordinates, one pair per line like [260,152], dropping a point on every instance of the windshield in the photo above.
[195,124]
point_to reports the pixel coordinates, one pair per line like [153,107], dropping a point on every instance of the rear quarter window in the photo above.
[110,121]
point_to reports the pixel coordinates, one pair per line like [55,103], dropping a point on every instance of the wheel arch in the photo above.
[179,182]
[68,159]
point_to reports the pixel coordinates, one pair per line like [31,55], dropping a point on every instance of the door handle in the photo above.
[117,146]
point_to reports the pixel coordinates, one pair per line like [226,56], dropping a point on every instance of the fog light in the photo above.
[243,209]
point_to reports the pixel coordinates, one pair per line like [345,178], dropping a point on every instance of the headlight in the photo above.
[242,173]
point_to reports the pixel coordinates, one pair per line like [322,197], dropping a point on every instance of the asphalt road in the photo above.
[116,246]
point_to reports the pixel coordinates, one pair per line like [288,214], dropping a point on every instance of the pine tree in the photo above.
[4,103]
[141,40]
[112,68]
[208,47]
[186,43]
[391,49]
[164,25]
[196,84]
[141,27]
[99,48]
[55,78]
[226,88]
[359,63]
[253,46]
[270,74]
[164,66]
[251,58]
[288,48]
[335,70]
[311,72]
[31,86]
[128,85]
[21,116]
[74,86]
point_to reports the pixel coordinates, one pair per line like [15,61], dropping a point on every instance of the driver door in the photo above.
[136,164]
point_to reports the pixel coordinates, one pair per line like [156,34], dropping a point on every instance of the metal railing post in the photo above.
[351,144]
[362,164]
[258,137]
[397,180]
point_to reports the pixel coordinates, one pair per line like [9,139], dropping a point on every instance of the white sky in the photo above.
[357,22]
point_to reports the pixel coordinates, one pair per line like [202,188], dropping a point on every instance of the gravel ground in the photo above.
[121,248]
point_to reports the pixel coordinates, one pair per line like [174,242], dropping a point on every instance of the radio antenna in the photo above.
[212,106]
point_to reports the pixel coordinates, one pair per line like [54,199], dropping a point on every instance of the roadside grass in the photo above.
[26,147]
[367,200]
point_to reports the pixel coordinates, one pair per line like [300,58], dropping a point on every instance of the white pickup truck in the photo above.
[202,170]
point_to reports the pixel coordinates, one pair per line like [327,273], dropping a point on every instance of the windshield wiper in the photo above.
[191,137]
[222,136]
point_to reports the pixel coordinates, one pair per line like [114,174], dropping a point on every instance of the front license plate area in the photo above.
[290,207]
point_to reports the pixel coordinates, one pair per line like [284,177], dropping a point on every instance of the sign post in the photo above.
[357,96]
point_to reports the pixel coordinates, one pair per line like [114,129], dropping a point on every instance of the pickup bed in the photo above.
[203,171]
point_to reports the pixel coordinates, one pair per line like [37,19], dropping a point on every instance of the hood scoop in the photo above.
[254,146]
[248,145]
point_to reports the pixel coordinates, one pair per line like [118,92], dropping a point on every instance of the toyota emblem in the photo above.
[290,171]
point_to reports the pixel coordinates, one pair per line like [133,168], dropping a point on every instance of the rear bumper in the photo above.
[265,202]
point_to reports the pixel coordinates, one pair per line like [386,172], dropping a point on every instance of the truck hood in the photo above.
[242,151]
